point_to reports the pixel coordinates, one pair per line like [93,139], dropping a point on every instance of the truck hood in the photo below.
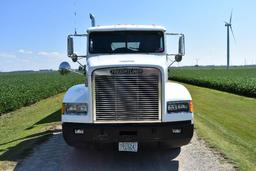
[104,61]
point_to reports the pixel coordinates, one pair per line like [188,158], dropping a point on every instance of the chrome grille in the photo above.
[125,94]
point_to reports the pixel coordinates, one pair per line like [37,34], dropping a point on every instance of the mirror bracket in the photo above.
[178,58]
[70,46]
[181,48]
[74,57]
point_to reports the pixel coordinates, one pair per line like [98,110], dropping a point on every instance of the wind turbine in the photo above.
[229,26]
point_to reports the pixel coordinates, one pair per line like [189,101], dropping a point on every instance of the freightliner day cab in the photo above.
[127,98]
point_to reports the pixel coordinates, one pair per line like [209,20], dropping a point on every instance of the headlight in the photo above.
[75,108]
[179,106]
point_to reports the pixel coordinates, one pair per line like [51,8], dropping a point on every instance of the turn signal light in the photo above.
[191,106]
[62,108]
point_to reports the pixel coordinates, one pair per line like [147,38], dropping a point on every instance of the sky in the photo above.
[33,33]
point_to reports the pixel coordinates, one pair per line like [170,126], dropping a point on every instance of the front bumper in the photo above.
[176,133]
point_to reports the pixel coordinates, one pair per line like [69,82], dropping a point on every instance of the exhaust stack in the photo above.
[92,20]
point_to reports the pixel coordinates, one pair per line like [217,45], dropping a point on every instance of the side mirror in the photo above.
[64,68]
[70,48]
[181,46]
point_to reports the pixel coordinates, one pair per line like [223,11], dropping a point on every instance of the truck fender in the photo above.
[176,92]
[76,94]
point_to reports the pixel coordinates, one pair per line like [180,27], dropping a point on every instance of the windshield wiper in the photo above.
[134,49]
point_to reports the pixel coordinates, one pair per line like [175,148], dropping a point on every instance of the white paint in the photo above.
[170,91]
[76,94]
[76,118]
[115,60]
[176,92]
[123,27]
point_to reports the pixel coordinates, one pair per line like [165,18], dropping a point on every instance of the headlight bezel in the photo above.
[173,107]
[75,108]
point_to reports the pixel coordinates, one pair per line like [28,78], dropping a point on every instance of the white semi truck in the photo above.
[126,98]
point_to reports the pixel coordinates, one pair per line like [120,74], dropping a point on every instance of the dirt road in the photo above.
[56,155]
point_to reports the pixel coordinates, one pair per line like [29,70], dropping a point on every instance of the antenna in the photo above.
[75,14]
[92,19]
[75,23]
[229,26]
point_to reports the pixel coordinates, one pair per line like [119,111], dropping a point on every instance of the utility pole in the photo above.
[227,25]
[197,59]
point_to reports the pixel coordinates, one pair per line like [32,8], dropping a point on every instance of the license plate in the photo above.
[128,146]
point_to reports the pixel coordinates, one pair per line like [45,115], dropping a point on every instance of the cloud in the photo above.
[22,59]
[51,54]
[7,56]
[56,53]
[21,50]
[42,53]
[25,51]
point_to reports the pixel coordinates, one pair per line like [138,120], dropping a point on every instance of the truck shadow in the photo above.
[23,145]
[149,157]
[55,154]
[24,148]
[54,117]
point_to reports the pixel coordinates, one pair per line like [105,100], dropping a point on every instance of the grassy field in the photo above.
[24,128]
[237,80]
[227,122]
[228,125]
[19,89]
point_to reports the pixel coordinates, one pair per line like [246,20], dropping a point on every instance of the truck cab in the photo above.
[126,98]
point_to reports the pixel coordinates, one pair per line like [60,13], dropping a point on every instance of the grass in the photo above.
[224,120]
[18,89]
[227,122]
[24,128]
[237,80]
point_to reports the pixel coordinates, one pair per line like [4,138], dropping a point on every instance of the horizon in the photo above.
[184,66]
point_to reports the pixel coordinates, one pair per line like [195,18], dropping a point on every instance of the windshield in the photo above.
[126,42]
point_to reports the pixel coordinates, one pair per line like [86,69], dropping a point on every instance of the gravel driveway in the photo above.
[56,155]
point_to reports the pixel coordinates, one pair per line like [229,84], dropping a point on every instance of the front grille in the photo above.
[123,94]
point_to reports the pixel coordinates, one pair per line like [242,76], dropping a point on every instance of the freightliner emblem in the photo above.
[130,71]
